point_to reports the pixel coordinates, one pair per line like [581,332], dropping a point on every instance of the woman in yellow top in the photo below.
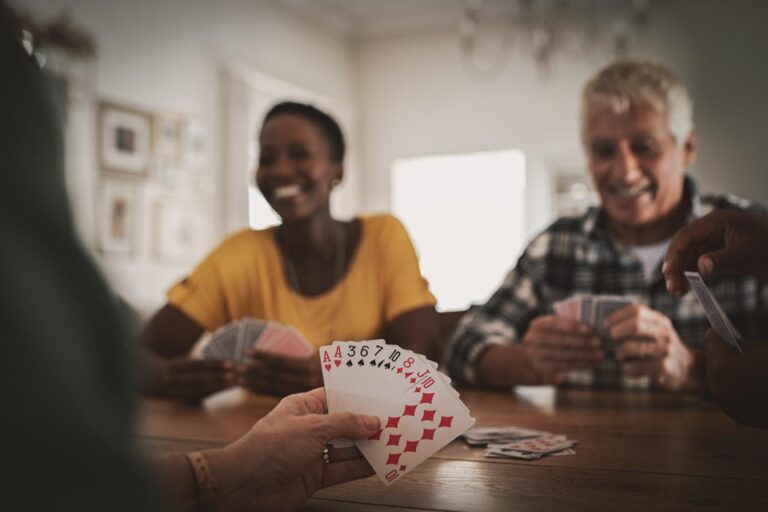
[331,280]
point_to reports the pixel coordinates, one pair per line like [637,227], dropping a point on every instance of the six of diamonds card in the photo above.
[419,410]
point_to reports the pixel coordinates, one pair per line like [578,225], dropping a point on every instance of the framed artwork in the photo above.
[180,232]
[166,175]
[194,143]
[167,136]
[116,213]
[124,139]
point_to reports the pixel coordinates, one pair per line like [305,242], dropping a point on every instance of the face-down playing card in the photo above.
[233,340]
[419,411]
[715,314]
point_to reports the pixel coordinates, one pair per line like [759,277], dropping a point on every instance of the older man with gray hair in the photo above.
[637,131]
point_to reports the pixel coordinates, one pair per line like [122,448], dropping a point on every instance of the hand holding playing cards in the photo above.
[191,380]
[280,375]
[278,464]
[651,346]
[722,241]
[556,345]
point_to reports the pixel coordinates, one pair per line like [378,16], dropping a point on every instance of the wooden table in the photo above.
[636,451]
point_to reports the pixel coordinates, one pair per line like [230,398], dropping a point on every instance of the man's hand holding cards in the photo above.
[419,410]
[594,310]
[643,340]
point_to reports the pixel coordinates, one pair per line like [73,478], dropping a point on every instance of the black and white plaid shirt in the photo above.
[575,255]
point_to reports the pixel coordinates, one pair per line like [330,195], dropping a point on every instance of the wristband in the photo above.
[207,487]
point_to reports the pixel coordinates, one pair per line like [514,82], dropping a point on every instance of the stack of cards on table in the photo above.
[519,443]
[592,309]
[717,318]
[419,410]
[233,340]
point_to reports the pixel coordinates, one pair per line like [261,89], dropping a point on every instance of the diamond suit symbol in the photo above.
[410,410]
[429,433]
[393,458]
[429,415]
[411,446]
[445,421]
[394,440]
[392,422]
[426,398]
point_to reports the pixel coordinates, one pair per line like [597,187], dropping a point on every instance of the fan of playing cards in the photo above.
[419,410]
[233,340]
[593,310]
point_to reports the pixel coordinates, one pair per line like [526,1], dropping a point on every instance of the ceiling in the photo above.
[367,18]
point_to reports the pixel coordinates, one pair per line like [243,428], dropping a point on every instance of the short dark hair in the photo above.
[327,124]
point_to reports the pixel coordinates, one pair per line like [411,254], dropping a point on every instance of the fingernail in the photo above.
[706,266]
[372,422]
[664,268]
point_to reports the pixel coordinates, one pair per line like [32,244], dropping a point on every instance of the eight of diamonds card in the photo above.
[419,410]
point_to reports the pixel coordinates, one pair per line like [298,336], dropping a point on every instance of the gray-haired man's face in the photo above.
[636,164]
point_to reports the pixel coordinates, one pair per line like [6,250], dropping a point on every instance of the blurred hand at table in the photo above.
[650,346]
[278,464]
[720,242]
[190,380]
[279,375]
[557,345]
[739,381]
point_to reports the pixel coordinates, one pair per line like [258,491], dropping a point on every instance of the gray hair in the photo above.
[625,81]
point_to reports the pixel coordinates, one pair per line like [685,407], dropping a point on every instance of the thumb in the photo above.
[350,425]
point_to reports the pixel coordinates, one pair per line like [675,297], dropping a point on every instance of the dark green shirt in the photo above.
[66,353]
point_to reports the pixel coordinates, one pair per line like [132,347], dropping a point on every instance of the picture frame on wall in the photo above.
[180,232]
[194,143]
[124,139]
[166,132]
[116,217]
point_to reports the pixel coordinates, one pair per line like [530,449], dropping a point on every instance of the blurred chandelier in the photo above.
[545,28]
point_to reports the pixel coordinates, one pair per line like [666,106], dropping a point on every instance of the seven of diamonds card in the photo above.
[419,410]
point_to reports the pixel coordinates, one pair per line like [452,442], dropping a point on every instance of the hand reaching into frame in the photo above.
[721,242]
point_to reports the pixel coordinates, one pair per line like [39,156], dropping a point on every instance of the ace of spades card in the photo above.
[418,409]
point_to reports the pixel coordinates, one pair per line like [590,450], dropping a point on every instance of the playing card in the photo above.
[717,318]
[250,331]
[482,436]
[542,445]
[602,308]
[222,342]
[419,411]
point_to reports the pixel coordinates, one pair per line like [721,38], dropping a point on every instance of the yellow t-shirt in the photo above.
[245,276]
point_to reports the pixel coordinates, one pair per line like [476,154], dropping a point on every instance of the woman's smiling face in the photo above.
[295,172]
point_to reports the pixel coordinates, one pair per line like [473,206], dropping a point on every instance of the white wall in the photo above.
[418,99]
[165,55]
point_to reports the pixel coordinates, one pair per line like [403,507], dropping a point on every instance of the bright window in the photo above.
[466,216]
